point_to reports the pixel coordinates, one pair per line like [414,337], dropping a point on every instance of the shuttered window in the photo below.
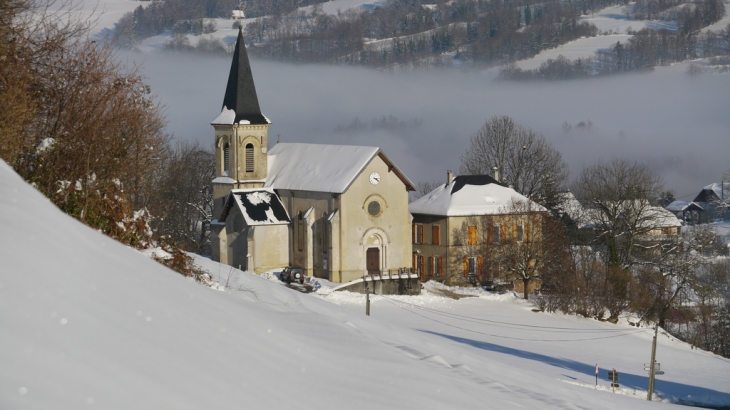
[520,234]
[417,232]
[436,235]
[432,266]
[249,158]
[421,267]
[496,234]
[472,235]
[440,271]
[527,233]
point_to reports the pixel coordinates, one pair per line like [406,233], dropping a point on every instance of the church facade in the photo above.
[340,212]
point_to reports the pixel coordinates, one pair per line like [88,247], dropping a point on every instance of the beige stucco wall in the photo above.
[454,246]
[338,254]
[389,231]
[239,249]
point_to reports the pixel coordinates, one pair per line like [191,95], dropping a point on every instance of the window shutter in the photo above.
[413,233]
[479,265]
[514,231]
[490,234]
[472,235]
[432,265]
[436,235]
[527,232]
[441,266]
[421,269]
[413,264]
[420,233]
[503,229]
[466,266]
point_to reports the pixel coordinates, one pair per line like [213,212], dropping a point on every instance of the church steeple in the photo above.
[241,92]
[241,133]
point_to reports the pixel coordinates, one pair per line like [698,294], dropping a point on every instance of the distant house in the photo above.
[460,230]
[714,199]
[653,224]
[340,212]
[238,14]
[686,211]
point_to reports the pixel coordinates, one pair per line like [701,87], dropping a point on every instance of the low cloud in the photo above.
[677,125]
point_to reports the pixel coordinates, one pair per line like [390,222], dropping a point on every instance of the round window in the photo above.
[374,208]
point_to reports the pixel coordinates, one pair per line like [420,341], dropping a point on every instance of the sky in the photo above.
[95,324]
[677,125]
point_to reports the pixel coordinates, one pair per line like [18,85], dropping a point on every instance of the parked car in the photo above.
[291,274]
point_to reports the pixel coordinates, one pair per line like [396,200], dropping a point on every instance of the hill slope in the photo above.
[87,321]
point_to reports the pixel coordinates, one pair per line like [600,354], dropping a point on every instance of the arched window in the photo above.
[226,158]
[249,158]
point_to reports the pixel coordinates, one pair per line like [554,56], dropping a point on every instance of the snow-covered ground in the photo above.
[613,26]
[87,321]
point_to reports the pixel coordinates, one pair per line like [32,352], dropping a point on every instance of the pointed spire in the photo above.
[240,91]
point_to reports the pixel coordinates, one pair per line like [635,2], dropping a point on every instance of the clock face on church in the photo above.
[374,178]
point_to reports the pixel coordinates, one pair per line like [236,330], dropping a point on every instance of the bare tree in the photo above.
[525,160]
[183,200]
[616,196]
[423,188]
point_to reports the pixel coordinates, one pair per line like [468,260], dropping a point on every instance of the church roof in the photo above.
[469,195]
[321,168]
[259,206]
[240,103]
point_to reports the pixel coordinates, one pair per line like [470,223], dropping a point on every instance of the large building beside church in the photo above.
[340,212]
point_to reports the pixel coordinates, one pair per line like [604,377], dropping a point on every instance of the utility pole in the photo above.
[367,302]
[652,364]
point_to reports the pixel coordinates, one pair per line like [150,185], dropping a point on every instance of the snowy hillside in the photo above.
[88,321]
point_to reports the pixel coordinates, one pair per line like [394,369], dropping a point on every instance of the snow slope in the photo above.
[613,25]
[87,321]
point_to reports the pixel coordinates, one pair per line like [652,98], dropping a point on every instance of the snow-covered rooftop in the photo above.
[722,190]
[259,206]
[319,167]
[469,195]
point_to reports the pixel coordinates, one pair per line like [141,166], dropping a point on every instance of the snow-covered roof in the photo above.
[469,195]
[717,189]
[259,206]
[659,217]
[321,168]
[681,206]
[589,217]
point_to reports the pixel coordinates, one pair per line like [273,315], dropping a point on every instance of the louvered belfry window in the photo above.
[249,158]
[226,159]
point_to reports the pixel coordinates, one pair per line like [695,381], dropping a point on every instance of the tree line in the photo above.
[415,33]
[645,50]
[87,132]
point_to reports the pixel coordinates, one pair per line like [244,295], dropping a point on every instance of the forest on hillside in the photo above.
[413,33]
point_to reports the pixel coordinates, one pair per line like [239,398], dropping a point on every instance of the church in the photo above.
[339,212]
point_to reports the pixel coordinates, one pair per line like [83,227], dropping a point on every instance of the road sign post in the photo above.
[652,364]
[613,377]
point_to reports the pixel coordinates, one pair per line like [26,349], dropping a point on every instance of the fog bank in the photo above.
[677,125]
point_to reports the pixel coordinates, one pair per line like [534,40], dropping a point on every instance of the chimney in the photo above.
[449,176]
[495,171]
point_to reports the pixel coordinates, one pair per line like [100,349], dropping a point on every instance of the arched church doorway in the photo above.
[372,261]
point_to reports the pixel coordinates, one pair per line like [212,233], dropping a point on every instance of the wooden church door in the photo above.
[373,261]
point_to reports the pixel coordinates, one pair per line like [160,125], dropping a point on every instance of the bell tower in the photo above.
[241,132]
